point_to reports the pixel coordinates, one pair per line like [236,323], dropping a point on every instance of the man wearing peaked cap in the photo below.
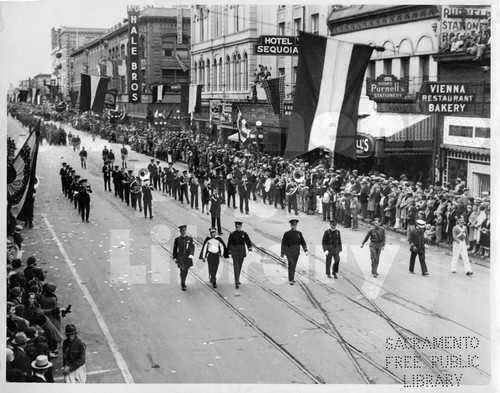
[84,200]
[183,253]
[236,243]
[290,248]
[211,251]
[332,247]
[417,247]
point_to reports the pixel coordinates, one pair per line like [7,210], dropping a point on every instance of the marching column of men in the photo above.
[76,190]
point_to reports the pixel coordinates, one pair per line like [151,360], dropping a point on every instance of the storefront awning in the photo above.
[467,149]
[397,127]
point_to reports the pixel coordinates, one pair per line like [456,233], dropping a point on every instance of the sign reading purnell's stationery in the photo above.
[387,88]
[445,97]
[134,87]
[277,45]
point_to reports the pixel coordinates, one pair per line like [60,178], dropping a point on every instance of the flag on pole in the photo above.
[93,93]
[158,93]
[34,94]
[243,130]
[21,177]
[330,76]
[191,98]
[275,93]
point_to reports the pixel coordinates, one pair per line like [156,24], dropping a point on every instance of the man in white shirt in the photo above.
[213,248]
[460,245]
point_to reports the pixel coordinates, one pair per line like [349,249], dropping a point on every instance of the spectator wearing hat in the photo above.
[374,196]
[105,153]
[211,251]
[194,187]
[326,201]
[451,221]
[439,227]
[15,295]
[74,351]
[363,197]
[484,236]
[124,155]
[290,248]
[12,325]
[231,190]
[49,303]
[332,247]
[183,254]
[12,374]
[21,359]
[377,243]
[417,247]
[17,237]
[237,244]
[460,243]
[40,367]
[29,271]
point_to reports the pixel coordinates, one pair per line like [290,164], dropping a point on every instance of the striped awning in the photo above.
[397,127]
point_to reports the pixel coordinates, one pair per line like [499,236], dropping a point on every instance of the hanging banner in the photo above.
[134,90]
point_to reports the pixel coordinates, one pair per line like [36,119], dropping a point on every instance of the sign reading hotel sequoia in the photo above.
[386,88]
[134,87]
[277,45]
[445,97]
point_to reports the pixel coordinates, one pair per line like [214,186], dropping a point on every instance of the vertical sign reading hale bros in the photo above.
[134,91]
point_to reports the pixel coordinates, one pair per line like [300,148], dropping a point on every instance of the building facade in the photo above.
[65,40]
[225,63]
[163,54]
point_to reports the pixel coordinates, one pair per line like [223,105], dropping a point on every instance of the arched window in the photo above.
[208,83]
[220,81]
[244,65]
[122,52]
[201,78]
[215,76]
[235,72]
[227,78]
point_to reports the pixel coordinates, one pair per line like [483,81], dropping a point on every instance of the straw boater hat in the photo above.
[41,363]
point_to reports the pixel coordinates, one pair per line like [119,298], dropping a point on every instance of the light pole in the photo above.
[260,136]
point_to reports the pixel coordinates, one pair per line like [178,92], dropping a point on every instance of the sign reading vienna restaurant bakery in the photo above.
[277,45]
[134,90]
[386,87]
[445,97]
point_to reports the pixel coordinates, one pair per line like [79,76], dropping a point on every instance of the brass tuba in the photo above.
[291,188]
[298,176]
[267,184]
[144,174]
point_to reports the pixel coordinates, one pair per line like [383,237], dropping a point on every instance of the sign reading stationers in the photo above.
[134,87]
[277,45]
[445,97]
[387,88]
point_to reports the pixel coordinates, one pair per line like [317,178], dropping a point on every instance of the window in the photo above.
[236,18]
[371,69]
[208,88]
[122,52]
[315,24]
[483,132]
[215,76]
[387,66]
[424,67]
[167,46]
[227,79]
[281,71]
[462,131]
[405,67]
[281,28]
[297,25]
[244,65]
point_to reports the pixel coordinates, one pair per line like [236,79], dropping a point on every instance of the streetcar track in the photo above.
[349,348]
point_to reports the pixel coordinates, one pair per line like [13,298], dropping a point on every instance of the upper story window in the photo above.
[315,24]
[281,28]
[297,25]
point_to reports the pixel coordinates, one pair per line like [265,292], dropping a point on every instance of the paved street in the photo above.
[118,274]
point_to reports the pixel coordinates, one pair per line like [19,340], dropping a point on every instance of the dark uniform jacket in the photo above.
[183,248]
[74,353]
[417,241]
[236,244]
[291,242]
[331,240]
[376,236]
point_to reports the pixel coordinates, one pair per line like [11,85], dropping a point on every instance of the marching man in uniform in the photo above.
[290,248]
[183,254]
[332,246]
[236,243]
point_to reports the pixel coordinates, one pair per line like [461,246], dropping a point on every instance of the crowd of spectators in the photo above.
[472,42]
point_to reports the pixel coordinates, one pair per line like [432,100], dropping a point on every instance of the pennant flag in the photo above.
[181,63]
[158,93]
[21,177]
[275,93]
[34,94]
[191,98]
[330,76]
[243,130]
[93,93]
